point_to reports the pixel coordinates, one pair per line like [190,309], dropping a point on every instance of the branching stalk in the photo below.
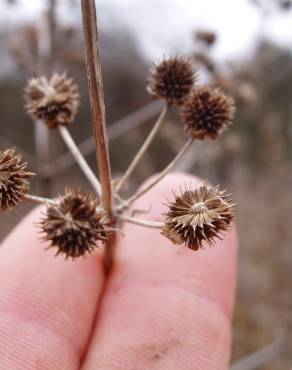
[115,130]
[42,138]
[93,66]
[143,149]
[162,174]
[38,200]
[71,145]
[145,223]
[46,30]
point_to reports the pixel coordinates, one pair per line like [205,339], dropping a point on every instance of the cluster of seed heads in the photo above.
[76,222]
[205,111]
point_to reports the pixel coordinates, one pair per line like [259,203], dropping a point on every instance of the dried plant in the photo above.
[172,79]
[14,178]
[206,112]
[77,223]
[198,215]
[74,224]
[54,102]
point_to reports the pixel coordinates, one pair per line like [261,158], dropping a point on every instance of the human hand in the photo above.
[163,307]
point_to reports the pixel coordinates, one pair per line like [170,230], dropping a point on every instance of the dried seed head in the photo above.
[172,79]
[13,179]
[74,224]
[53,101]
[207,112]
[197,215]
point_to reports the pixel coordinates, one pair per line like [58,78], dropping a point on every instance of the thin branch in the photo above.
[143,149]
[115,130]
[186,164]
[43,154]
[93,66]
[71,145]
[145,223]
[133,120]
[41,133]
[52,27]
[162,174]
[38,200]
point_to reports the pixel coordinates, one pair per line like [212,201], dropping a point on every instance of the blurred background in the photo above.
[245,47]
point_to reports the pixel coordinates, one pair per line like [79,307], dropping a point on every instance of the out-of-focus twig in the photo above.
[135,119]
[290,131]
[116,130]
[261,357]
[143,149]
[186,163]
[46,30]
[139,222]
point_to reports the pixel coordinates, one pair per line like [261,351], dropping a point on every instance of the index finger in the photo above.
[47,305]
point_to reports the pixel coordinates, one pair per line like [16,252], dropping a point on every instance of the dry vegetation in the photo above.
[253,161]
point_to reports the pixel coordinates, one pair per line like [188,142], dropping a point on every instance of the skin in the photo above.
[163,307]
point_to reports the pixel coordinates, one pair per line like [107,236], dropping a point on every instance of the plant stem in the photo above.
[39,200]
[145,223]
[43,137]
[162,174]
[93,66]
[115,130]
[71,145]
[143,149]
[109,253]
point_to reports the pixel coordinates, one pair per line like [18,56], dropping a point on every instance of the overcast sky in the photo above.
[164,26]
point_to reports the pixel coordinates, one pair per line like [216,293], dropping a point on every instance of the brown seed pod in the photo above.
[207,112]
[172,79]
[54,101]
[13,179]
[74,225]
[198,215]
